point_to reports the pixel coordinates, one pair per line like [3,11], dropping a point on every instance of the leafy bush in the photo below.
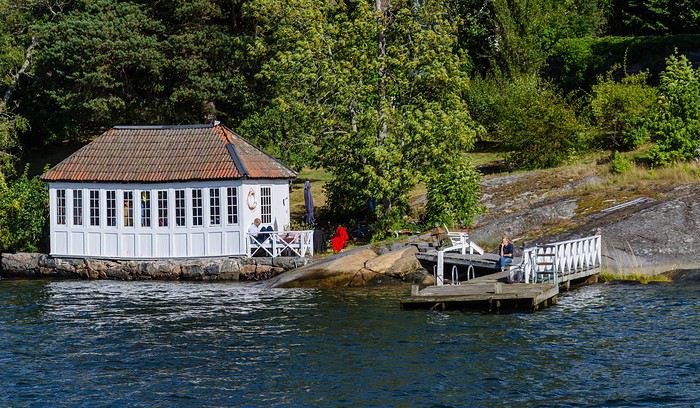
[530,119]
[23,214]
[621,109]
[453,194]
[676,127]
[576,62]
[619,163]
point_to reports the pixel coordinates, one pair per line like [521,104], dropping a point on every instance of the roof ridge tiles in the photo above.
[158,127]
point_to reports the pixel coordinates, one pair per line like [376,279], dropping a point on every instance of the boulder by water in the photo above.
[358,267]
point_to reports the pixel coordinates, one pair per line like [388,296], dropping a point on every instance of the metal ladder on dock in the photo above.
[460,243]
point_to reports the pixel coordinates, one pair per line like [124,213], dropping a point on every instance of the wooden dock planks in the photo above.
[485,295]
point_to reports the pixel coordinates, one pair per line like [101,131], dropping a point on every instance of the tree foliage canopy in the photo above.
[676,128]
[384,94]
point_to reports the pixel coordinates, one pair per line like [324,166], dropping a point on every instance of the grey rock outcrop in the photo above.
[519,222]
[663,236]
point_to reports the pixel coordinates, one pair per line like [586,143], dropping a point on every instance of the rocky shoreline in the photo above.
[42,266]
[362,266]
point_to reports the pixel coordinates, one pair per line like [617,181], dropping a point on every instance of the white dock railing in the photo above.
[542,262]
[556,260]
[281,243]
[461,243]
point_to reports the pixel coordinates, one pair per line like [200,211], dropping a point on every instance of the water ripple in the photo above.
[162,344]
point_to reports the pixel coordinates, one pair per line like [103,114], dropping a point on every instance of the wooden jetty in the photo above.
[543,271]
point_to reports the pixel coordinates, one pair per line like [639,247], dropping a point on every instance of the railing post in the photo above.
[273,237]
[310,242]
[440,268]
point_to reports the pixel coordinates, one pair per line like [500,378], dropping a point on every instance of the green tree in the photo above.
[622,108]
[206,75]
[676,128]
[653,17]
[23,214]
[100,64]
[17,49]
[534,124]
[515,36]
[377,90]
[453,194]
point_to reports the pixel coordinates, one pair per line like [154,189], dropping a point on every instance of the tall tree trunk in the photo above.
[28,54]
[381,7]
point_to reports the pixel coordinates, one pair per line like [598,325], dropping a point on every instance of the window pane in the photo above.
[196,207]
[180,208]
[111,208]
[232,205]
[162,208]
[145,208]
[128,208]
[214,206]
[95,207]
[77,207]
[61,207]
[266,205]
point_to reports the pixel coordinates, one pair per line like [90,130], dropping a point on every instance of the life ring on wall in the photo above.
[252,203]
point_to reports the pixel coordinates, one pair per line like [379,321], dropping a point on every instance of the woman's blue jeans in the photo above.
[504,261]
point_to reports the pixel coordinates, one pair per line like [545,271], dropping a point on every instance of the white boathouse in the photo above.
[144,192]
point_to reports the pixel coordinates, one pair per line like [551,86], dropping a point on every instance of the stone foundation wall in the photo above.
[42,266]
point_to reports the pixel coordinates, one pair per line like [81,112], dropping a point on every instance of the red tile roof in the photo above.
[130,154]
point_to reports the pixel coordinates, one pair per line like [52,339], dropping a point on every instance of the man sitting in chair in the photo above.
[254,231]
[505,251]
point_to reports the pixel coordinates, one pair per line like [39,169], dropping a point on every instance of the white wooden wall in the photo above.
[137,242]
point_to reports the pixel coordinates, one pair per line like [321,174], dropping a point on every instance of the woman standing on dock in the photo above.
[505,250]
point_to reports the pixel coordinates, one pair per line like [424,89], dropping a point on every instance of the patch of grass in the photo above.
[679,173]
[482,159]
[318,179]
[632,277]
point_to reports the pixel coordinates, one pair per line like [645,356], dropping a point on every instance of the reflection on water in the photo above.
[185,344]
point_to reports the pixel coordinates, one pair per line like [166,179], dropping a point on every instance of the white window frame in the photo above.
[162,198]
[232,205]
[266,205]
[214,206]
[94,207]
[128,199]
[181,211]
[145,210]
[77,207]
[111,208]
[61,206]
[197,207]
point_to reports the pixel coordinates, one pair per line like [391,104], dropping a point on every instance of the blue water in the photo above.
[144,344]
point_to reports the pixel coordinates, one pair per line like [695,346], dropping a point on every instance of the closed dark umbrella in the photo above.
[309,203]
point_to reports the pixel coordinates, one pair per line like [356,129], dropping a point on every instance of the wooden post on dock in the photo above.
[415,289]
[498,288]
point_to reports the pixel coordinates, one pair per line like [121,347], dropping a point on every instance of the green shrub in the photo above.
[676,127]
[453,194]
[622,108]
[619,164]
[530,119]
[576,62]
[23,214]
